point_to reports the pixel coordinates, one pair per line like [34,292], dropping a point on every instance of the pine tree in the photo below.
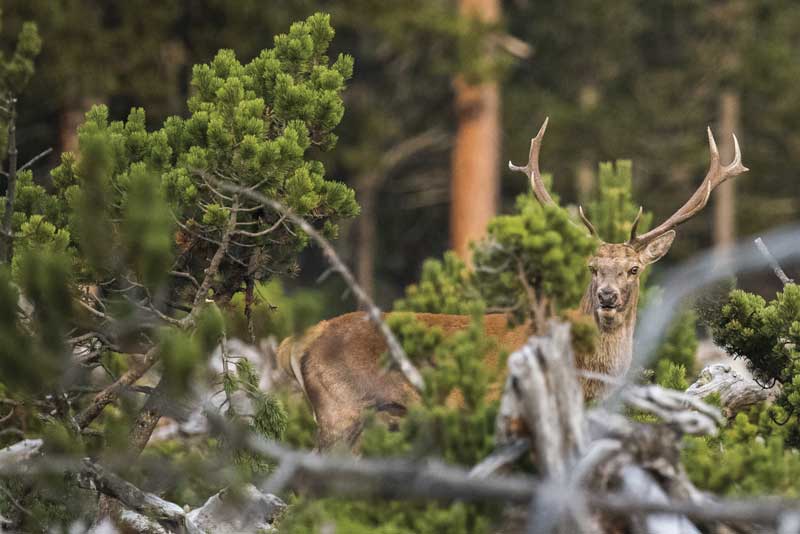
[149,219]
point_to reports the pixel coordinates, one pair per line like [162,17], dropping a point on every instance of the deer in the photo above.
[337,362]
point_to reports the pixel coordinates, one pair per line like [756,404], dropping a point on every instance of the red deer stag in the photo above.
[337,362]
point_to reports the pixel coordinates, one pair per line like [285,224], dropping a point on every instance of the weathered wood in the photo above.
[245,511]
[95,477]
[735,392]
[543,399]
[13,456]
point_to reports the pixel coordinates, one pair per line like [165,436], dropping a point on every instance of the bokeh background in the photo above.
[446,91]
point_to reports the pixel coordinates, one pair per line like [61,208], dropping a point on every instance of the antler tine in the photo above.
[587,222]
[635,224]
[717,174]
[531,169]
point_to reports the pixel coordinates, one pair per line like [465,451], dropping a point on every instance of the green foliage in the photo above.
[613,210]
[767,335]
[456,416]
[144,218]
[538,245]
[444,287]
[15,73]
[537,253]
[275,312]
[301,428]
[749,457]
[393,517]
[757,452]
[679,346]
[250,124]
[454,421]
[671,375]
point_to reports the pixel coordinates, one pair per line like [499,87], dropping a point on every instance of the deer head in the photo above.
[613,293]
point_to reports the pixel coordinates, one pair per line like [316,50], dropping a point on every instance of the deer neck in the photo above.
[614,346]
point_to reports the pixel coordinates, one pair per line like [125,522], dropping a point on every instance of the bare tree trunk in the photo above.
[725,196]
[476,161]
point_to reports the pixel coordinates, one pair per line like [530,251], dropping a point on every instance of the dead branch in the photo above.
[94,477]
[735,392]
[35,158]
[776,268]
[113,391]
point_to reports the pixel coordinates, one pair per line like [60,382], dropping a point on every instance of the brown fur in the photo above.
[343,378]
[337,362]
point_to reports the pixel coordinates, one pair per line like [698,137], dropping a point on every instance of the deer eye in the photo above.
[592,270]
[634,270]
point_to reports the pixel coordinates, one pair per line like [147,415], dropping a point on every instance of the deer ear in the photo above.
[656,249]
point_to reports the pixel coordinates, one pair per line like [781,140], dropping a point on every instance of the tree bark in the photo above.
[725,195]
[476,155]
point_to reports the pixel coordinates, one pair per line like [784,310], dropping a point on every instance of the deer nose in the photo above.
[607,297]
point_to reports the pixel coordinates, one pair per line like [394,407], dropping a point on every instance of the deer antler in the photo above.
[717,174]
[531,170]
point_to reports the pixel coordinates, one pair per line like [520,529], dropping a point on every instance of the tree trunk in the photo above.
[476,157]
[725,195]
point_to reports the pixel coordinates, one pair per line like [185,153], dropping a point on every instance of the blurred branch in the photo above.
[113,391]
[94,477]
[776,268]
[347,476]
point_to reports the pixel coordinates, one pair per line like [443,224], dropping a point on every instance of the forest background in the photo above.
[444,93]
